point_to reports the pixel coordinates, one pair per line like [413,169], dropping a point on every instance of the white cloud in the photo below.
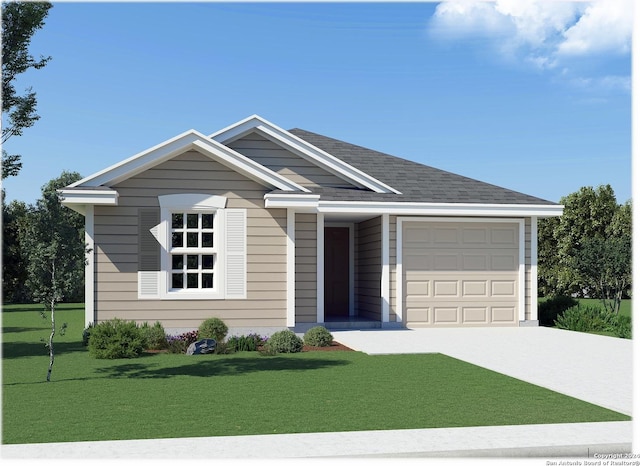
[541,33]
[605,27]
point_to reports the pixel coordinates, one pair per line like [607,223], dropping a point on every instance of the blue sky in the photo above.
[532,96]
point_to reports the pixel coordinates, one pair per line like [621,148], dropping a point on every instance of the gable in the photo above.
[286,163]
[189,172]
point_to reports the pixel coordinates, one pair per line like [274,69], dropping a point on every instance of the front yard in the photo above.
[168,395]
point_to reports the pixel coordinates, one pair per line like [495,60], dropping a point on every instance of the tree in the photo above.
[584,252]
[606,265]
[14,266]
[20,20]
[55,250]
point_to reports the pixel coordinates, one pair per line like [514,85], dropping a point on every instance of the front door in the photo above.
[336,273]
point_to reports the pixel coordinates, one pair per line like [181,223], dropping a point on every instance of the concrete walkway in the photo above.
[550,440]
[589,367]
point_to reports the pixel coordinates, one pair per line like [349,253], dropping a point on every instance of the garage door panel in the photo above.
[475,261]
[472,281]
[505,236]
[503,288]
[419,288]
[503,315]
[445,288]
[445,315]
[475,315]
[474,288]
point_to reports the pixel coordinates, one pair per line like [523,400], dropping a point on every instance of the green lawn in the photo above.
[165,395]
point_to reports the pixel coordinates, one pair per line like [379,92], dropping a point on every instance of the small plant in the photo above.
[318,336]
[549,310]
[249,342]
[284,341]
[587,319]
[115,339]
[178,344]
[213,328]
[154,336]
[622,327]
[86,333]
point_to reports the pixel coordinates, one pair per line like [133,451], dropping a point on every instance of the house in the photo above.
[266,229]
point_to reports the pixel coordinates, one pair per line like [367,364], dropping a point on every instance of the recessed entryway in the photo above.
[336,272]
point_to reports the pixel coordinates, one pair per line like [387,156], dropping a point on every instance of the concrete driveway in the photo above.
[592,368]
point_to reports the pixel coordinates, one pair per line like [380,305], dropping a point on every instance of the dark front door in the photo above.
[336,272]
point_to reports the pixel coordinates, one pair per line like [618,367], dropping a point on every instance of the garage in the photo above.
[461,273]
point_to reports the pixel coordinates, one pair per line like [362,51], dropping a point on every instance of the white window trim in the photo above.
[192,203]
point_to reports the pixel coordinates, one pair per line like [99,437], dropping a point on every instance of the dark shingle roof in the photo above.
[416,182]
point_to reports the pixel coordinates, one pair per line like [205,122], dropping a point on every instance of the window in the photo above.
[201,247]
[193,252]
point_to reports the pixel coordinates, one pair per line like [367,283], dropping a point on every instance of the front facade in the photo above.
[270,229]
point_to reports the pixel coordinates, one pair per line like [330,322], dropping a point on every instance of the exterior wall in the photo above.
[306,270]
[284,162]
[368,264]
[116,247]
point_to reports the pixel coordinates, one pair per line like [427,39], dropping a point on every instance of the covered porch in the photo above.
[343,271]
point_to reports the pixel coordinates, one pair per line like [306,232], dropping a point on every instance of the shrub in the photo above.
[115,339]
[318,336]
[622,327]
[249,342]
[587,319]
[213,328]
[549,310]
[86,333]
[284,341]
[179,343]
[154,336]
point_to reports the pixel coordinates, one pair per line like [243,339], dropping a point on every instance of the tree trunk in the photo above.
[52,303]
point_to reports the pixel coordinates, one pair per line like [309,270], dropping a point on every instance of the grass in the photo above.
[168,396]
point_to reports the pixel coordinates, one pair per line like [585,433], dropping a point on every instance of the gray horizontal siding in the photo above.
[116,246]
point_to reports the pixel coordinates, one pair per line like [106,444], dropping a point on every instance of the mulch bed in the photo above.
[335,346]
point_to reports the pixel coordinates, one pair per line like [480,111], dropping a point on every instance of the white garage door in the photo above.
[460,274]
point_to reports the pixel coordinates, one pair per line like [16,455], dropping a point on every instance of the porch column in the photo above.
[384,282]
[89,271]
[533,304]
[291,268]
[320,268]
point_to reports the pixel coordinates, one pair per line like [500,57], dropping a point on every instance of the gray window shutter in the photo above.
[236,253]
[148,253]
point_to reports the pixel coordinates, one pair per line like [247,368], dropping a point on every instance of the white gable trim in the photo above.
[190,140]
[303,149]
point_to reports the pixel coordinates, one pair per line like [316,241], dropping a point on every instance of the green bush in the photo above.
[318,336]
[622,327]
[587,319]
[154,336]
[249,342]
[549,310]
[115,339]
[284,341]
[213,328]
[86,333]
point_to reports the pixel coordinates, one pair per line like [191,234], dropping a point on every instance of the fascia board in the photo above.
[302,148]
[307,202]
[415,208]
[138,162]
[189,140]
[73,198]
